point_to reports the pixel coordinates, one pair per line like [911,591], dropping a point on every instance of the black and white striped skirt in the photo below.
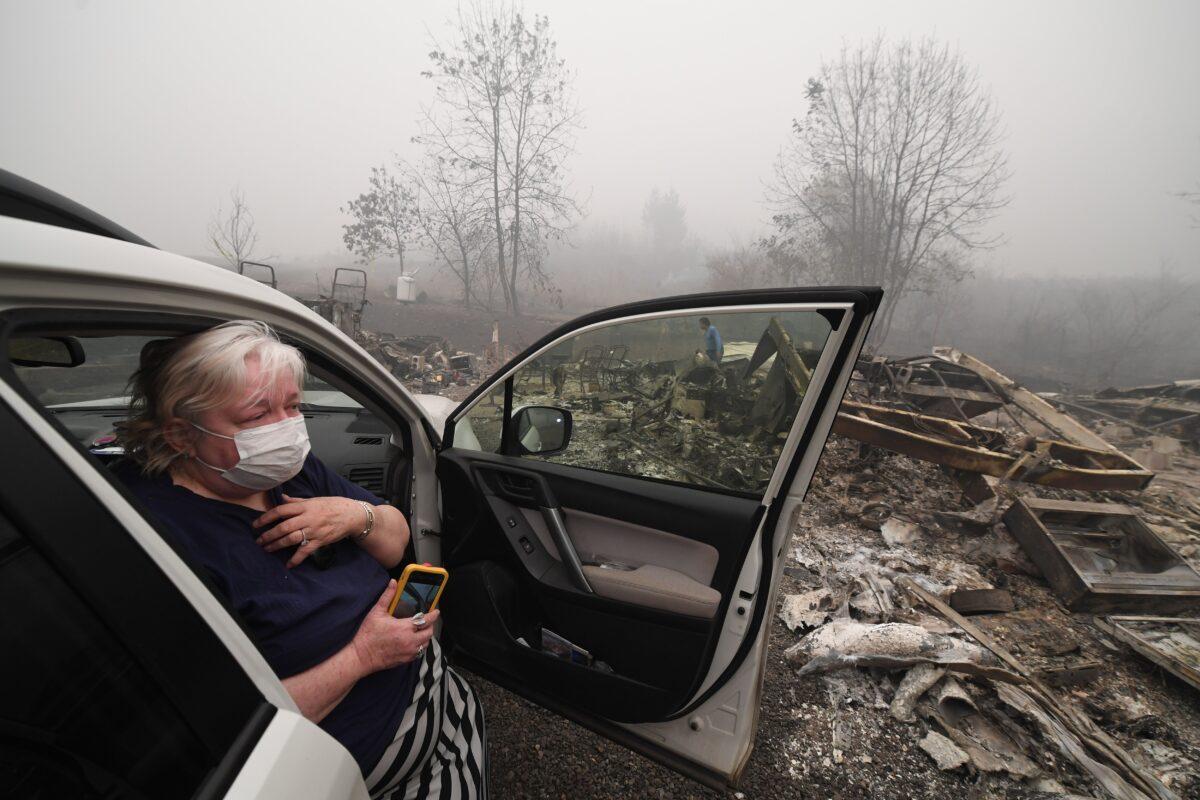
[440,748]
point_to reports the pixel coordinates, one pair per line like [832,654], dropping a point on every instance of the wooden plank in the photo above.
[949,392]
[1094,591]
[936,603]
[1079,506]
[1190,673]
[903,432]
[1077,673]
[1022,521]
[1183,408]
[797,373]
[1065,426]
[1099,743]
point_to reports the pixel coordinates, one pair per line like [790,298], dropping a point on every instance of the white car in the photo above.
[127,676]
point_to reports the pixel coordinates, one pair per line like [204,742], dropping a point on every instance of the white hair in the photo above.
[186,376]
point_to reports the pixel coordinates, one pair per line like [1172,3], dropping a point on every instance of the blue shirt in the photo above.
[713,346]
[298,617]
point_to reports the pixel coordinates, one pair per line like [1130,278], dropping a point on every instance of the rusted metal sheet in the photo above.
[1101,557]
[1173,643]
[974,448]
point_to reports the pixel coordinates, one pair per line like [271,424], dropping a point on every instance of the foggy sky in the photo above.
[149,112]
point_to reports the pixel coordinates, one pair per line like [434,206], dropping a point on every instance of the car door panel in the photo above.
[673,578]
[525,587]
[602,511]
[630,544]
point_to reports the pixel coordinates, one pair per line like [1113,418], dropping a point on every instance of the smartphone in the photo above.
[419,588]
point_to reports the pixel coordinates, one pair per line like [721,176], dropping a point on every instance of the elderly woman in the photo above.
[218,451]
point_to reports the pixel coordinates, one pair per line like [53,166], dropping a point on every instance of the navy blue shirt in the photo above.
[298,617]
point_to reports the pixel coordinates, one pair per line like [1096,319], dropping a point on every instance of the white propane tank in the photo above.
[406,289]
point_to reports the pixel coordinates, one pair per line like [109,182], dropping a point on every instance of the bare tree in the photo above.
[451,213]
[384,218]
[893,173]
[233,236]
[504,108]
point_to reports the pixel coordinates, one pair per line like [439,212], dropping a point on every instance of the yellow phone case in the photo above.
[409,570]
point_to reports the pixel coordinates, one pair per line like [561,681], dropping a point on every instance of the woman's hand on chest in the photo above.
[308,523]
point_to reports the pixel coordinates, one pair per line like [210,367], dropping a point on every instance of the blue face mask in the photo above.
[267,455]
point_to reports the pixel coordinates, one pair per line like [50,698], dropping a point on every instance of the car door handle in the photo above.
[525,487]
[517,487]
[566,548]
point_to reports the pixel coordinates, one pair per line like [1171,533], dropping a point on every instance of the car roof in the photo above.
[50,266]
[21,198]
[77,258]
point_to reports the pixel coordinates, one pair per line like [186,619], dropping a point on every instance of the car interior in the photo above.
[635,575]
[651,554]
[80,377]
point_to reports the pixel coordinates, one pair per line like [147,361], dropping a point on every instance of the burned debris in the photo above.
[688,419]
[978,525]
[929,385]
[343,305]
[428,364]
[1101,556]
[1171,409]
[1170,642]
[989,451]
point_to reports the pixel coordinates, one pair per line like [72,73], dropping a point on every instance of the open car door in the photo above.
[617,501]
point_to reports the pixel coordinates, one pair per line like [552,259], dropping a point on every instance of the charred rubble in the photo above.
[1012,583]
[1005,580]
[999,573]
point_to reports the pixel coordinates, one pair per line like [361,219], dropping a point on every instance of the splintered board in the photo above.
[1101,557]
[1172,643]
[974,448]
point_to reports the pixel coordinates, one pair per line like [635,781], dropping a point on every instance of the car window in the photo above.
[706,400]
[79,717]
[481,427]
[101,381]
[89,399]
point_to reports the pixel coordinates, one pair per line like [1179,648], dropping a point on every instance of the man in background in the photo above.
[714,348]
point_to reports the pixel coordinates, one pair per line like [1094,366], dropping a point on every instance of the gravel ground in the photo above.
[537,754]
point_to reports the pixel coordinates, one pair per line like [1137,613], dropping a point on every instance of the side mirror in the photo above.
[45,351]
[540,431]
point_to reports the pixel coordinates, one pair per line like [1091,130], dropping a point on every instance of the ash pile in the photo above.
[1001,582]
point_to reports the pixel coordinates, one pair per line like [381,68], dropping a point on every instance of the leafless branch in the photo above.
[893,174]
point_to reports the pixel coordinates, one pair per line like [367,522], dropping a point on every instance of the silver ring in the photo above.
[303,537]
[418,620]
